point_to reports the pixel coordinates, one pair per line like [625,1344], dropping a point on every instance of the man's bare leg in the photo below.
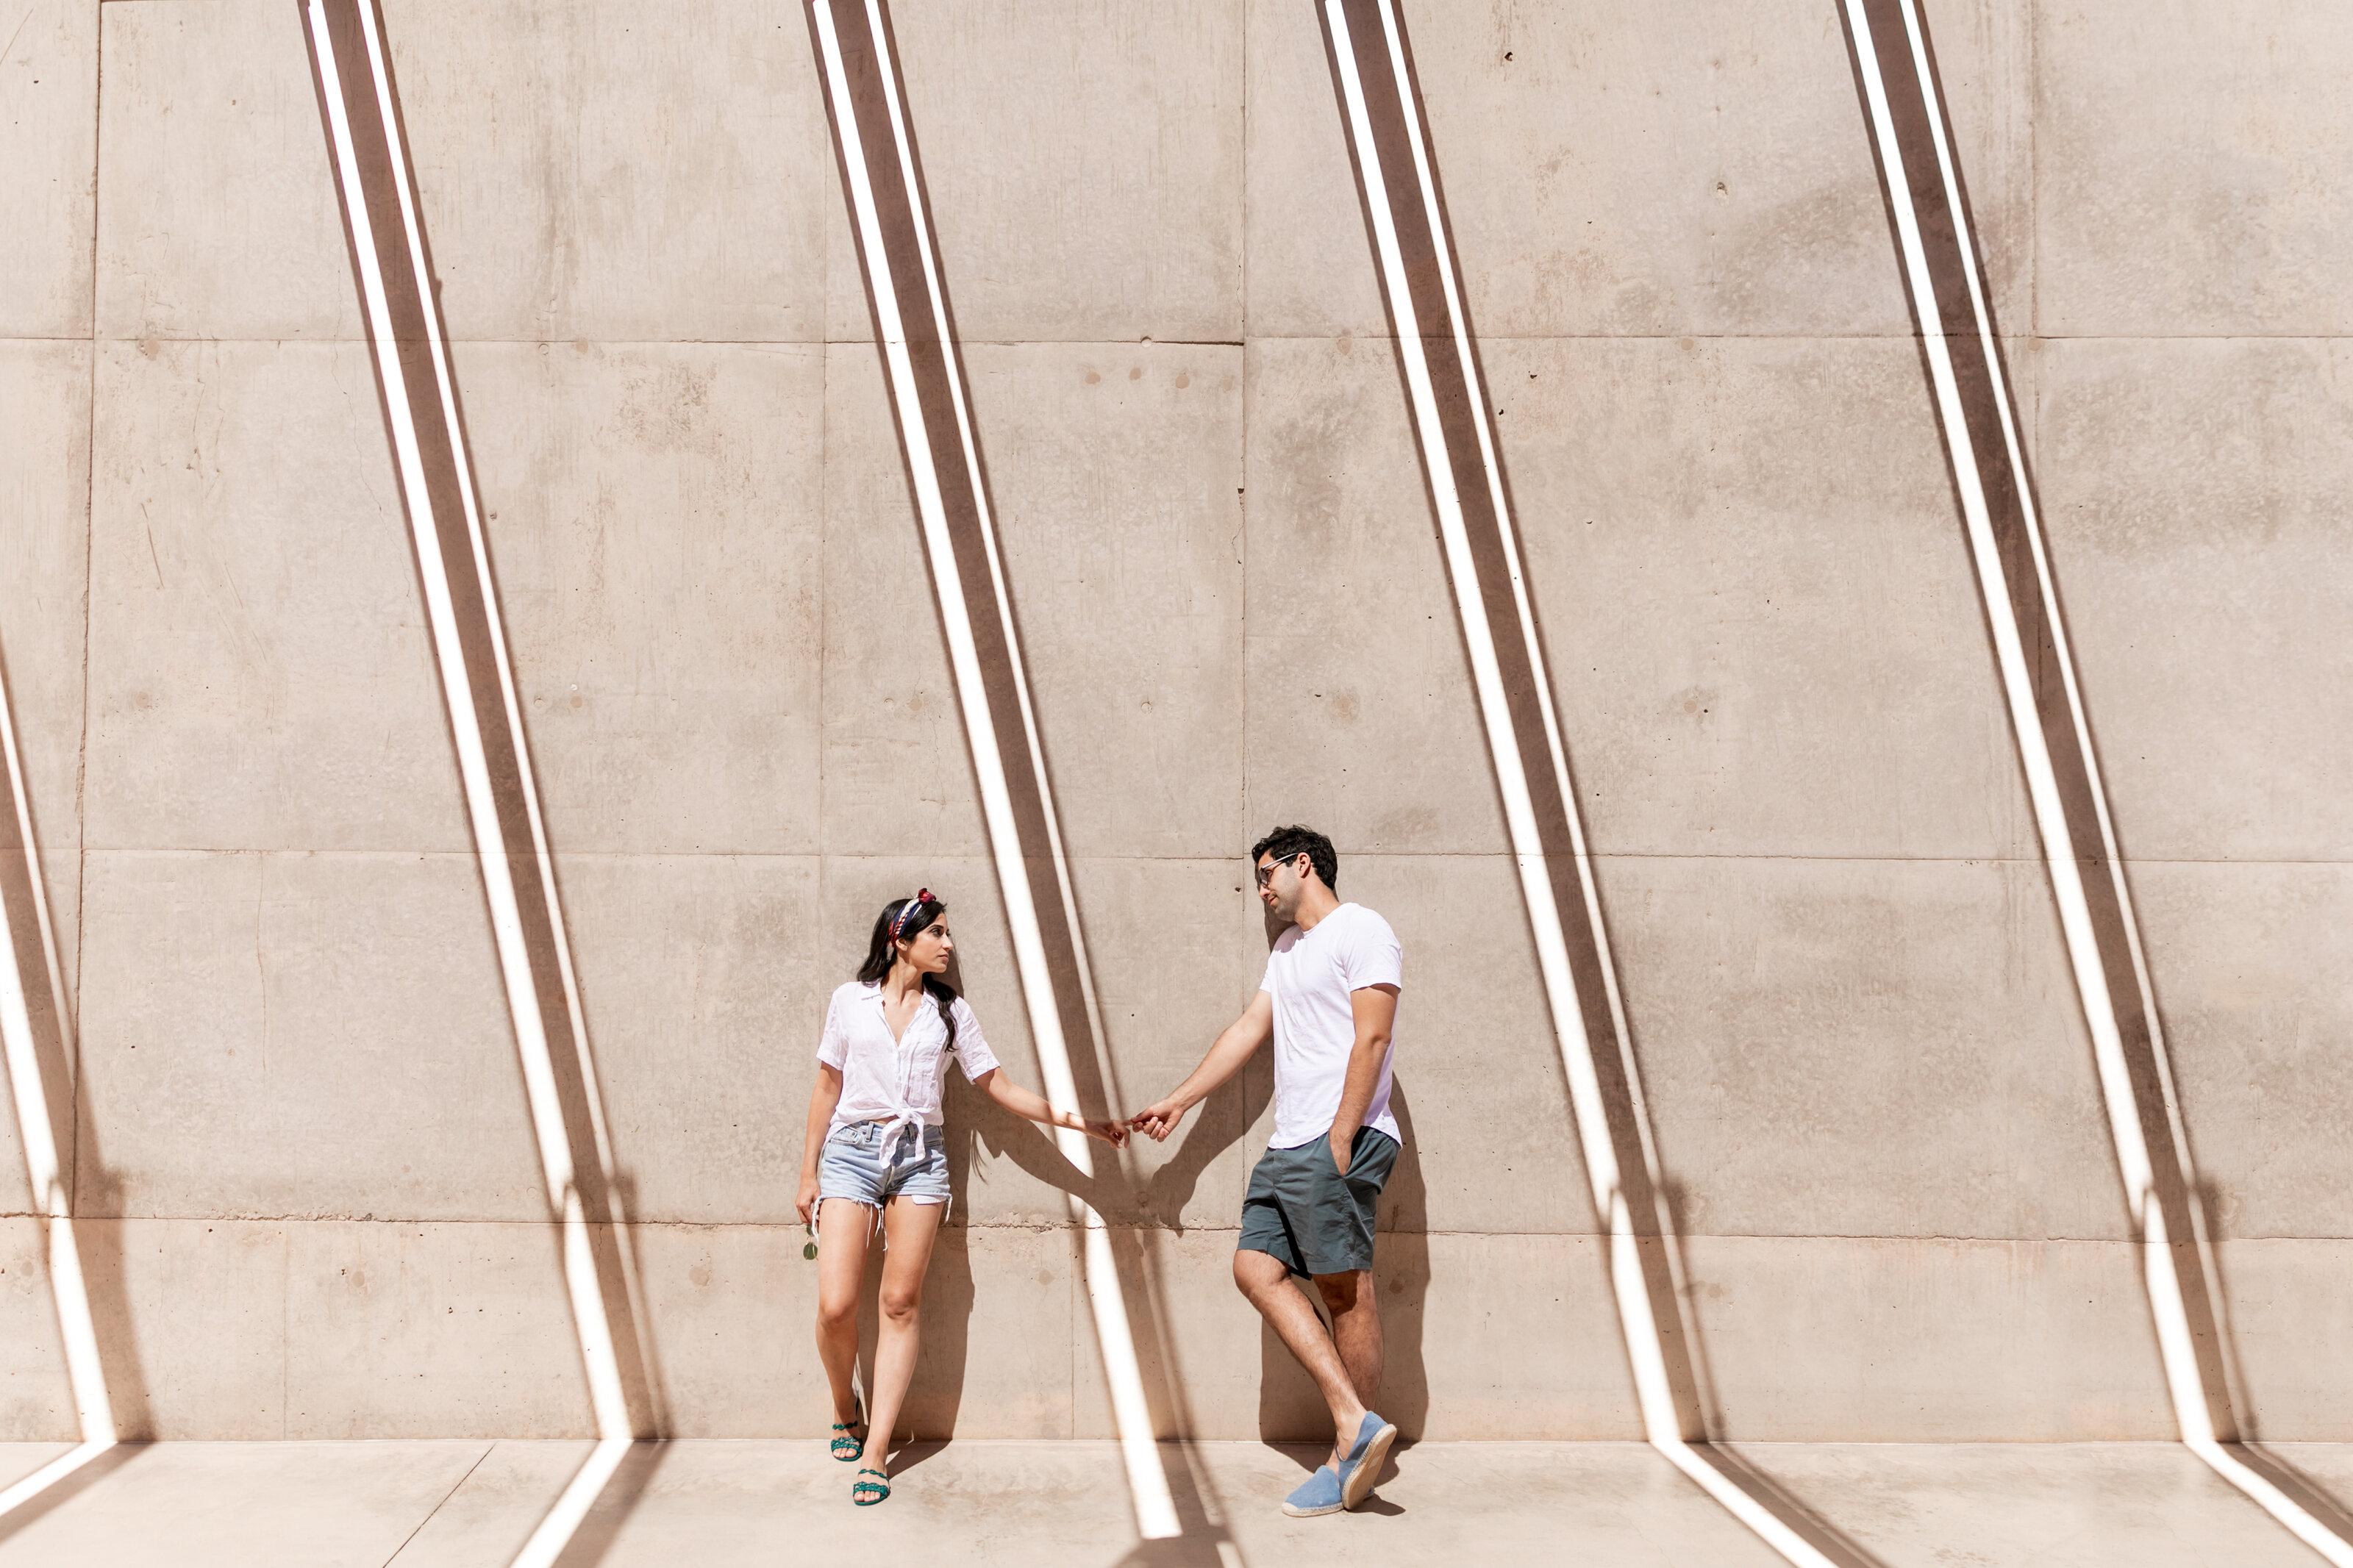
[1262,1279]
[1356,1310]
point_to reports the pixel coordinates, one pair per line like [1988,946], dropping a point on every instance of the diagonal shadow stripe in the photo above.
[1931,222]
[1437,364]
[882,177]
[85,1283]
[392,265]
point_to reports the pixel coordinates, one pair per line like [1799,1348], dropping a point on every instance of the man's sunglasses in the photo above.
[1266,871]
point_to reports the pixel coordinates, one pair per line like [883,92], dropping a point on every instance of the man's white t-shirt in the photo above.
[1310,974]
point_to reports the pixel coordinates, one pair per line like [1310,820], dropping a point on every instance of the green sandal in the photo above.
[859,1488]
[847,1447]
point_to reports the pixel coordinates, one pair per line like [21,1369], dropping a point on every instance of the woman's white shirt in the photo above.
[897,1081]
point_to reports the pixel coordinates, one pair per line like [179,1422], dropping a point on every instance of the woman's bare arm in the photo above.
[1033,1108]
[823,1095]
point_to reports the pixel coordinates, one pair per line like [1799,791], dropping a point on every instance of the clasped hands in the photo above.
[1113,1132]
[1157,1121]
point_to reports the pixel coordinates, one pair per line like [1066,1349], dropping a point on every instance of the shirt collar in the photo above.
[875,994]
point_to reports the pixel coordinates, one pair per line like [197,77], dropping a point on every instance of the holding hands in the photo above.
[1157,1121]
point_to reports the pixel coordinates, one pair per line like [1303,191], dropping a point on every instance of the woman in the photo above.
[876,1146]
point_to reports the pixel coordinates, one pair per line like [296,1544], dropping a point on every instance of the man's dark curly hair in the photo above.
[1286,843]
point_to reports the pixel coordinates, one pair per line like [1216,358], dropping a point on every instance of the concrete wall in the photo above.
[306,1173]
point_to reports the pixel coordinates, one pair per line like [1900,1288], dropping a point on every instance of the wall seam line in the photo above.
[88,561]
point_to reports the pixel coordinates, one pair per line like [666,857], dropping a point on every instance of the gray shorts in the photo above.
[1301,1210]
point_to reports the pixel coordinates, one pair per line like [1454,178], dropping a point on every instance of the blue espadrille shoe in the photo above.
[1319,1494]
[1362,1468]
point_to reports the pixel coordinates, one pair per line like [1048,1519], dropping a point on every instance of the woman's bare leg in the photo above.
[844,1232]
[912,1227]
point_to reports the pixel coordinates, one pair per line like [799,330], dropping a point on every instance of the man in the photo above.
[1329,1000]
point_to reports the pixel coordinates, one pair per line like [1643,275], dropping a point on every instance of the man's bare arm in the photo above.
[1375,1007]
[1237,1045]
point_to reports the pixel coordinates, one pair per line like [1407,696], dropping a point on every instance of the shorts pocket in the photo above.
[1374,1156]
[1329,1177]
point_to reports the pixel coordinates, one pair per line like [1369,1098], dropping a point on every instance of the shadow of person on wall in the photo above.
[927,1420]
[1401,1269]
[1225,1118]
[976,1125]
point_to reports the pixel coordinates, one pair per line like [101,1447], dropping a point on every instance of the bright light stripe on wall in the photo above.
[420,405]
[887,274]
[1940,272]
[1457,447]
[31,984]
[50,1474]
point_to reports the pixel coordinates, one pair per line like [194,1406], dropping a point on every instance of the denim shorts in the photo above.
[855,1166]
[1303,1211]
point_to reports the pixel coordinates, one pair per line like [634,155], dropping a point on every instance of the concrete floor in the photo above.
[470,1504]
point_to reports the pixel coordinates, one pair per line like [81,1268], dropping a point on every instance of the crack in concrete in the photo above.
[437,1506]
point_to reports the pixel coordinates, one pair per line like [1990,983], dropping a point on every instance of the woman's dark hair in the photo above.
[1290,843]
[881,952]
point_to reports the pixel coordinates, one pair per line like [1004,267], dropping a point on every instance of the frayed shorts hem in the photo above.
[855,1166]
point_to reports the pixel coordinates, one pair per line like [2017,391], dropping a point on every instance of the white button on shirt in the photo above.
[897,1081]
